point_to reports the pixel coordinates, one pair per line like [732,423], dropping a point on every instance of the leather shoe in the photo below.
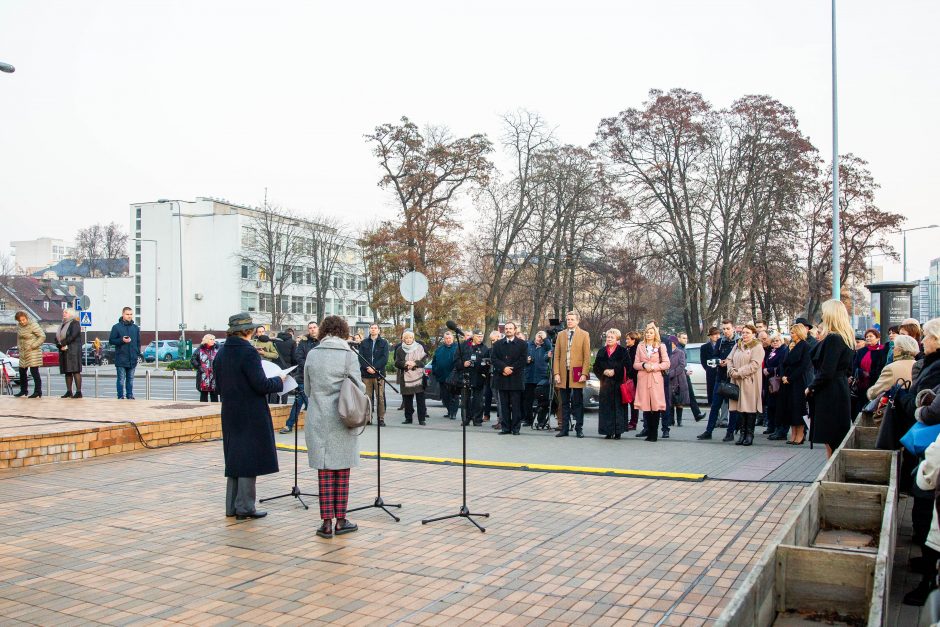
[254,514]
[729,437]
[561,434]
[407,422]
[505,432]
[642,434]
[285,430]
[704,436]
[774,436]
[422,422]
[664,436]
[344,526]
[579,433]
[326,529]
[36,395]
[381,423]
[21,393]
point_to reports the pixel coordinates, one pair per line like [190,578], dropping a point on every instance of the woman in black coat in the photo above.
[796,370]
[829,389]
[773,367]
[247,431]
[68,338]
[632,338]
[609,368]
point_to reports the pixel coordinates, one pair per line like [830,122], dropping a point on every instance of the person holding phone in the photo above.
[125,338]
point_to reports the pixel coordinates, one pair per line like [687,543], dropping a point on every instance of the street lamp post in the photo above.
[156,275]
[904,233]
[836,242]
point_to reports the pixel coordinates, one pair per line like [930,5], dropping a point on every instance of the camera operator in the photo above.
[536,378]
[477,362]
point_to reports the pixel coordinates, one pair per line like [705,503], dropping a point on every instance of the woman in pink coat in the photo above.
[651,362]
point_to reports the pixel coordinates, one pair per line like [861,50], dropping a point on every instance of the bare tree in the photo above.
[272,245]
[7,265]
[326,241]
[114,241]
[89,248]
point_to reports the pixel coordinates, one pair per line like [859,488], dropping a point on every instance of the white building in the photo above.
[206,241]
[107,296]
[35,254]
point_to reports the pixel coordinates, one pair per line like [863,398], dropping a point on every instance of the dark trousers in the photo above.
[716,402]
[572,405]
[450,398]
[536,403]
[334,492]
[488,399]
[300,399]
[510,416]
[239,495]
[528,402]
[37,380]
[205,397]
[693,402]
[410,406]
[477,397]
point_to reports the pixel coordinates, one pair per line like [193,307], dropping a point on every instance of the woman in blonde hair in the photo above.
[651,362]
[796,373]
[829,390]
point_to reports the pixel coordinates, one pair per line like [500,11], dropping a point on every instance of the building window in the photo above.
[264,302]
[362,284]
[262,275]
[350,282]
[249,301]
[285,304]
[309,276]
[297,276]
[311,306]
[45,305]
[363,309]
[297,304]
[62,305]
[246,271]
[350,308]
[337,282]
[328,308]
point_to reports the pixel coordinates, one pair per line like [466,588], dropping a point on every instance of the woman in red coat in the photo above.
[651,362]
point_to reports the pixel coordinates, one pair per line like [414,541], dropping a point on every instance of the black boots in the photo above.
[746,425]
[678,416]
[652,426]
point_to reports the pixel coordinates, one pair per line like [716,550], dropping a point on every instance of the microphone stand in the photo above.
[465,414]
[294,491]
[378,503]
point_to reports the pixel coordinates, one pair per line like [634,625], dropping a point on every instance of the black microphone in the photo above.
[450,324]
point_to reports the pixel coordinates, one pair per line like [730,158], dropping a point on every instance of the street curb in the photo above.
[577,470]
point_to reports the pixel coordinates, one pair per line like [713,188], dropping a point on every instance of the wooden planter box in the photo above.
[834,559]
[861,437]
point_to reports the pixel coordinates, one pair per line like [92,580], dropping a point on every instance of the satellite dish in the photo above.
[413,286]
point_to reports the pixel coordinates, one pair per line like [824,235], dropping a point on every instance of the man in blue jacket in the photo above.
[536,379]
[441,366]
[125,337]
[374,350]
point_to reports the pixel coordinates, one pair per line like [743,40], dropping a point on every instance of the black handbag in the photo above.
[729,390]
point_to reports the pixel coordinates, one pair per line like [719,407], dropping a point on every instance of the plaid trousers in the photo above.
[334,493]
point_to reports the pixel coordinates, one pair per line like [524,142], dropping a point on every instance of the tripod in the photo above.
[378,503]
[294,491]
[465,413]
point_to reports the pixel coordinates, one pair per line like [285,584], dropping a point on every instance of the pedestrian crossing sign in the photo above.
[85,318]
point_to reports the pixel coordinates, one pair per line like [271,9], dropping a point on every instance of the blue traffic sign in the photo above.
[85,318]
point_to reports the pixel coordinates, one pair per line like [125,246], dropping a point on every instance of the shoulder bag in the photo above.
[727,389]
[627,389]
[355,407]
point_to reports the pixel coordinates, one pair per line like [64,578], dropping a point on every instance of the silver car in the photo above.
[694,363]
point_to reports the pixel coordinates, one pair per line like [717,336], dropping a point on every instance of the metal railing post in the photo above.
[49,381]
[147,384]
[96,383]
[175,372]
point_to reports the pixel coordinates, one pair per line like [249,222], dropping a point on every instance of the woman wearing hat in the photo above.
[247,434]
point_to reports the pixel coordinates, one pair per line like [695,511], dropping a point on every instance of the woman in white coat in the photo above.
[332,448]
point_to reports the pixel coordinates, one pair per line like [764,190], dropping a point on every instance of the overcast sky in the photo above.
[124,101]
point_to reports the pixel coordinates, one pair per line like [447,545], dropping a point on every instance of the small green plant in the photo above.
[179,364]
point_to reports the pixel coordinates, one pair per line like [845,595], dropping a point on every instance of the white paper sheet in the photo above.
[272,370]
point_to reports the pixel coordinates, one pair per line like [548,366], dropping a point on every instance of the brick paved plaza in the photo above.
[141,537]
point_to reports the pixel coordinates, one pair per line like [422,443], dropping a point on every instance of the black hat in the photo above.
[240,322]
[804,322]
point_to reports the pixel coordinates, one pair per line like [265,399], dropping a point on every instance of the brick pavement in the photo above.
[141,538]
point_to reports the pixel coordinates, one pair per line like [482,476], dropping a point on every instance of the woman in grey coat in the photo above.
[331,448]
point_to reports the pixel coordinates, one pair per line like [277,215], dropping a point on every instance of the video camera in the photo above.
[554,327]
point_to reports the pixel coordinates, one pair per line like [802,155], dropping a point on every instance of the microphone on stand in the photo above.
[450,324]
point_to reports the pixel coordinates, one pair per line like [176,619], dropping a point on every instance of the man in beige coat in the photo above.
[572,366]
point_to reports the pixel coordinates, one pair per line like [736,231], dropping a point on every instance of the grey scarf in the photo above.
[62,331]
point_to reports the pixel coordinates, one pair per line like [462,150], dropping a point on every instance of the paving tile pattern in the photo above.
[142,538]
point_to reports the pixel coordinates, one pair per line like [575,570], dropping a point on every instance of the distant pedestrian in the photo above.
[773,382]
[442,364]
[509,358]
[609,364]
[332,448]
[96,350]
[697,414]
[476,366]
[29,339]
[375,352]
[125,338]
[651,362]
[796,372]
[537,380]
[202,362]
[68,339]
[247,436]
[410,358]
[679,389]
[632,339]
[717,361]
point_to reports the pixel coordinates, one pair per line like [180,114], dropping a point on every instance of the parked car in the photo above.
[107,354]
[13,351]
[694,363]
[168,351]
[11,365]
[50,354]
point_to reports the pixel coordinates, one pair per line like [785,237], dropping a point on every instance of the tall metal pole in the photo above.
[182,346]
[904,274]
[836,240]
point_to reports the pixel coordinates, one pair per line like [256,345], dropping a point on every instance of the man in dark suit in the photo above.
[247,436]
[706,354]
[509,358]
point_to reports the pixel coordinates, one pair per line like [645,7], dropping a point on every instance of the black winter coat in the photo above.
[376,353]
[70,361]
[304,346]
[286,346]
[832,361]
[798,370]
[475,354]
[247,431]
[513,354]
[927,379]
